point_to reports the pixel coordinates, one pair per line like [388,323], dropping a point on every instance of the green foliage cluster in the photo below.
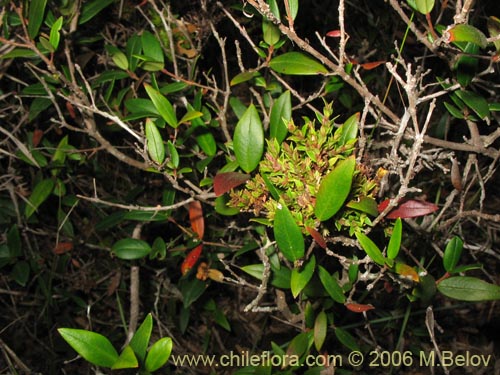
[148,147]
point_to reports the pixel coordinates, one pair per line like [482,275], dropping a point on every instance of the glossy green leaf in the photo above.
[296,63]
[471,289]
[424,6]
[93,347]
[90,9]
[271,32]
[466,33]
[38,105]
[255,270]
[334,189]
[133,48]
[297,347]
[294,8]
[467,64]
[131,248]
[452,254]
[320,328]
[346,339]
[365,204]
[36,13]
[243,77]
[248,140]
[371,249]
[173,154]
[222,208]
[493,24]
[288,234]
[127,359]
[152,48]
[158,354]
[55,35]
[454,111]
[281,114]
[273,6]
[162,105]
[300,278]
[140,340]
[190,115]
[206,141]
[39,194]
[331,285]
[154,142]
[349,129]
[395,241]
[272,189]
[118,57]
[475,102]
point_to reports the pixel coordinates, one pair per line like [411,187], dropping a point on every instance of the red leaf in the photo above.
[71,110]
[63,247]
[317,237]
[358,308]
[223,182]
[37,137]
[372,65]
[333,34]
[196,218]
[409,209]
[191,259]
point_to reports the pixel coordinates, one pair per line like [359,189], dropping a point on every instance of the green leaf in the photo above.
[55,36]
[93,347]
[162,105]
[294,8]
[349,129]
[281,114]
[127,359]
[131,248]
[454,111]
[275,10]
[331,285]
[158,354]
[154,141]
[452,254]
[346,339]
[371,249]
[299,279]
[118,57]
[222,208]
[39,194]
[21,272]
[424,6]
[271,32]
[140,340]
[365,204]
[38,105]
[465,33]
[493,24]
[475,102]
[255,270]
[272,189]
[395,241]
[36,12]
[470,289]
[190,115]
[320,328]
[296,63]
[297,347]
[288,234]
[14,241]
[248,140]
[92,8]
[206,141]
[243,77]
[152,48]
[334,189]
[174,155]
